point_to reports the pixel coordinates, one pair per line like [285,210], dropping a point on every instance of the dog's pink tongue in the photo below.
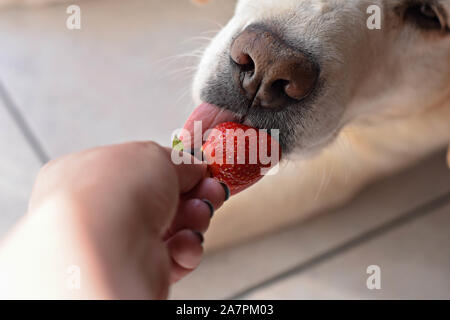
[208,116]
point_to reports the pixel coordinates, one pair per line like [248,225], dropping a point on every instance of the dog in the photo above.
[352,103]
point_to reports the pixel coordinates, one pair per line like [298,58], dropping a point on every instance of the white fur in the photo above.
[392,85]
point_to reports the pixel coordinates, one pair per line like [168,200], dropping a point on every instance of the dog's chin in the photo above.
[293,147]
[305,153]
[292,138]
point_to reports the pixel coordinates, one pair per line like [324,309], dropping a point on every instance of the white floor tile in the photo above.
[414,263]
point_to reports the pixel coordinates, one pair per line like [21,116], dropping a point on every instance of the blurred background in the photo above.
[126,75]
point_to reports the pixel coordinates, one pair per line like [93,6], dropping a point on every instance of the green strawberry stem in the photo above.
[177,144]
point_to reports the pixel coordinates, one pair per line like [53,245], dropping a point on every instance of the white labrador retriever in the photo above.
[352,103]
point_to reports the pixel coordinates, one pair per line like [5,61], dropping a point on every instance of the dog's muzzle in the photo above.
[270,72]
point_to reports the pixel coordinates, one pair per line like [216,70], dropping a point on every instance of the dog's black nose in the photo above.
[270,71]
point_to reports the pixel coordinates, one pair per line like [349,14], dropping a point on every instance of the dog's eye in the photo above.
[425,16]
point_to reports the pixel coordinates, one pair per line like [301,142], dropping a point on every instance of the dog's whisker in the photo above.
[199,39]
[344,149]
[182,70]
[322,182]
[213,22]
[197,53]
[214,32]
[183,94]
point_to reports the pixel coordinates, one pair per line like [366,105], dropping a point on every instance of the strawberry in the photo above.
[246,168]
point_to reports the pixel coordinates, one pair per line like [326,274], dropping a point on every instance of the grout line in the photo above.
[20,121]
[405,218]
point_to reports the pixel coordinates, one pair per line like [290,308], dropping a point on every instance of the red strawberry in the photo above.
[242,172]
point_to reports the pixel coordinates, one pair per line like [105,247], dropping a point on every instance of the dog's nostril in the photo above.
[298,90]
[279,87]
[244,61]
[249,66]
[270,71]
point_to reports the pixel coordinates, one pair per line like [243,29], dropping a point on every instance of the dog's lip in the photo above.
[209,116]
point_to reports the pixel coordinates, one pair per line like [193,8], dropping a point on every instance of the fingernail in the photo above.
[200,236]
[227,190]
[210,206]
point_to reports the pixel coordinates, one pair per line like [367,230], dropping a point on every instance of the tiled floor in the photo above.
[122,78]
[411,265]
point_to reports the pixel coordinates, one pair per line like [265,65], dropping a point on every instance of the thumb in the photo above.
[189,172]
[170,181]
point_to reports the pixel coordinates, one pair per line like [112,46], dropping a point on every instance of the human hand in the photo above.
[125,215]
